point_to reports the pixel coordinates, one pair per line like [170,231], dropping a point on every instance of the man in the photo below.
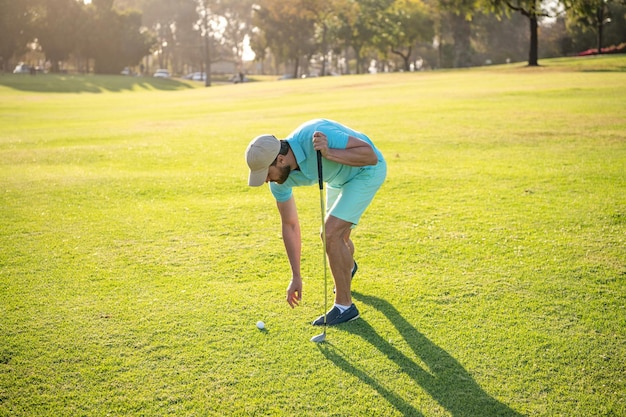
[352,168]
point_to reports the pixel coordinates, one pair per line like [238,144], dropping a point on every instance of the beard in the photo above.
[284,174]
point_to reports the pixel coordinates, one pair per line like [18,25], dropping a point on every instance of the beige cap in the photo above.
[260,154]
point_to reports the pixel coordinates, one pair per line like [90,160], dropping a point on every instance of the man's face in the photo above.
[278,174]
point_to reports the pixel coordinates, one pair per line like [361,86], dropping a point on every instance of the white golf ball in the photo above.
[260,325]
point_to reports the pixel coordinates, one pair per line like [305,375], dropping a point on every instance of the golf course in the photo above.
[135,261]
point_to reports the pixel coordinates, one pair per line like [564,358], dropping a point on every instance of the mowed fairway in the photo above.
[135,260]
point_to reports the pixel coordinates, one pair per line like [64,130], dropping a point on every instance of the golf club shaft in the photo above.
[323,213]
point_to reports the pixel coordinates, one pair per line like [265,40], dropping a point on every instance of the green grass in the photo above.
[135,261]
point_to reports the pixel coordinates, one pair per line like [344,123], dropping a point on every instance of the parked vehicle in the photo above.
[196,76]
[23,69]
[162,73]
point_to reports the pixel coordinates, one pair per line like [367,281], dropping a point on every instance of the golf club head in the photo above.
[320,338]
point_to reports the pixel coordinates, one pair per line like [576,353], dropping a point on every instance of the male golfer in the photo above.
[352,168]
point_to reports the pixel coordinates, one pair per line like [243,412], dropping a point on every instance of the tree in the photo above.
[136,42]
[173,23]
[116,38]
[406,23]
[498,39]
[456,16]
[204,10]
[16,29]
[288,30]
[237,14]
[461,27]
[362,26]
[223,24]
[595,15]
[57,26]
[84,39]
[327,23]
[534,10]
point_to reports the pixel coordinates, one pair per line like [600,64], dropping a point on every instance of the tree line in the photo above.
[303,36]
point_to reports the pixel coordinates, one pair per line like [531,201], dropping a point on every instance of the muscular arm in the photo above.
[357,153]
[293,245]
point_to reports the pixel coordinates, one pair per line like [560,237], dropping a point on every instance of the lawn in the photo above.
[135,260]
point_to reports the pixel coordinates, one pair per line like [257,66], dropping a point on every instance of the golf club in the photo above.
[322,336]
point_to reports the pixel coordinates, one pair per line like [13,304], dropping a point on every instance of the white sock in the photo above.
[341,307]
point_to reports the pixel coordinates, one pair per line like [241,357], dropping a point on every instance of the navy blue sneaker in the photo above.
[335,317]
[354,269]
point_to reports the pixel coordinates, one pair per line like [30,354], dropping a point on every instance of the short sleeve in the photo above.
[281,192]
[337,139]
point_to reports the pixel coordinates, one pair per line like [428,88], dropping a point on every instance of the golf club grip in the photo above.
[320,177]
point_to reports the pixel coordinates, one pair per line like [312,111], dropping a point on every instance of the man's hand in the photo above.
[320,143]
[357,152]
[294,292]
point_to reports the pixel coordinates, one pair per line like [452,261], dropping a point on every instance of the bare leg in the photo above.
[350,245]
[340,249]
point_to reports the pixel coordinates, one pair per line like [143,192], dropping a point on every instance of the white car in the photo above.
[162,73]
[22,69]
[196,76]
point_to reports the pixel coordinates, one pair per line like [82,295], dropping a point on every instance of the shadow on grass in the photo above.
[616,69]
[445,380]
[59,83]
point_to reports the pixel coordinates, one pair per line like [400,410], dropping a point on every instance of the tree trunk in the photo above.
[207,60]
[461,34]
[324,50]
[533,59]
[405,58]
[600,16]
[296,67]
[357,53]
[207,46]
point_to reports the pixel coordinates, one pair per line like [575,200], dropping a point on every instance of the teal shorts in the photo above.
[349,201]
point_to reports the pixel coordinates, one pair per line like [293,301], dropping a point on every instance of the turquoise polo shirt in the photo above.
[301,142]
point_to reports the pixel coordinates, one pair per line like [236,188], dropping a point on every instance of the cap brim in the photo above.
[258,177]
